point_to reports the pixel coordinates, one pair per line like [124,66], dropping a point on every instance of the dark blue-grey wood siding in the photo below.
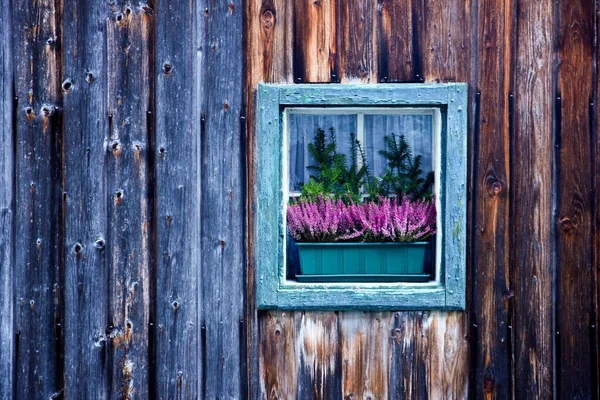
[122,200]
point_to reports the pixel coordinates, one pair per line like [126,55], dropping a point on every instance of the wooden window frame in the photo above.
[273,291]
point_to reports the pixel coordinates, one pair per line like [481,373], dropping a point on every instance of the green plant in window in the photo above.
[404,176]
[332,174]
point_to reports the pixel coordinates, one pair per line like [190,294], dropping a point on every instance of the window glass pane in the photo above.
[302,129]
[416,128]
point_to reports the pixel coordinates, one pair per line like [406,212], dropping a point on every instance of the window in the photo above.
[430,122]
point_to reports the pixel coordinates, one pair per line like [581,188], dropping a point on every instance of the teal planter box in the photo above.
[362,262]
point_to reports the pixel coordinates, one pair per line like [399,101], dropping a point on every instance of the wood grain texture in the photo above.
[278,363]
[444,37]
[576,340]
[595,139]
[128,78]
[270,36]
[365,344]
[7,202]
[532,203]
[37,80]
[223,203]
[398,48]
[86,246]
[177,157]
[357,27]
[316,42]
[491,208]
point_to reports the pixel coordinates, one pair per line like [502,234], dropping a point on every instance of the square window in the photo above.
[394,154]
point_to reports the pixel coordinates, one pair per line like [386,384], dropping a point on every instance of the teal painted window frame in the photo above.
[273,291]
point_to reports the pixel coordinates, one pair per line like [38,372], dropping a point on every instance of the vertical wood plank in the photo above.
[408,369]
[357,25]
[445,38]
[223,202]
[177,155]
[270,43]
[316,50]
[129,96]
[85,186]
[37,48]
[576,342]
[533,202]
[443,48]
[278,361]
[365,342]
[448,351]
[594,110]
[7,173]
[318,355]
[491,212]
[398,42]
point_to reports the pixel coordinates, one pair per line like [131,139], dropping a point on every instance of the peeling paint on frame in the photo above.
[447,292]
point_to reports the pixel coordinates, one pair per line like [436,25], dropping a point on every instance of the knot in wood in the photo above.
[488,381]
[147,9]
[567,224]
[268,19]
[494,185]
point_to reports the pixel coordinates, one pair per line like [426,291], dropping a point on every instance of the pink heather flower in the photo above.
[387,220]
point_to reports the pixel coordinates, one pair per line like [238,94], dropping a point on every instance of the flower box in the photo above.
[362,262]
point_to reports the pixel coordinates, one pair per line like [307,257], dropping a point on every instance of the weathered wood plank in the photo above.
[270,35]
[36,44]
[85,189]
[129,83]
[7,202]
[319,358]
[445,38]
[278,361]
[365,344]
[448,348]
[398,42]
[576,342]
[532,203]
[594,110]
[316,42]
[491,209]
[223,202]
[408,376]
[357,25]
[177,155]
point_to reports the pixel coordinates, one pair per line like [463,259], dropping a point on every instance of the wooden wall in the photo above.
[122,200]
[126,192]
[530,330]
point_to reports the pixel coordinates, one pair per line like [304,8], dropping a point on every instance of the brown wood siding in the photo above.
[531,67]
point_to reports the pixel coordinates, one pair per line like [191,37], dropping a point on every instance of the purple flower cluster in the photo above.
[387,220]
